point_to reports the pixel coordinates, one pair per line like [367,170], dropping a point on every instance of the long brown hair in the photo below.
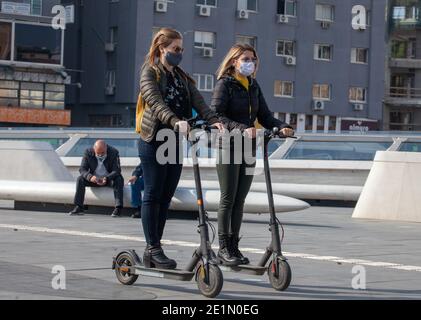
[227,67]
[164,38]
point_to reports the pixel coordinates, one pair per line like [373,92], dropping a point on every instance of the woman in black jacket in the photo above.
[239,102]
[169,95]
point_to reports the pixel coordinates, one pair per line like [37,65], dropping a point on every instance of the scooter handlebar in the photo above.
[276,133]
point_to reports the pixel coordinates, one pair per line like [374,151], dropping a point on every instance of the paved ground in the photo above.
[323,245]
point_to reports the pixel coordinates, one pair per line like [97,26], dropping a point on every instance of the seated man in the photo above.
[100,168]
[137,186]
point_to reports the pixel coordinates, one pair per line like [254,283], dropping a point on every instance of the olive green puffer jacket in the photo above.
[153,84]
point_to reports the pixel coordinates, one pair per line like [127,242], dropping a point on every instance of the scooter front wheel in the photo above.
[124,269]
[280,276]
[213,287]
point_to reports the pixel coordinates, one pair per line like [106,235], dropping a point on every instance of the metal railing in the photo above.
[404,92]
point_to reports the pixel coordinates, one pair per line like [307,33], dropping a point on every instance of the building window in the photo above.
[323,52]
[325,12]
[36,7]
[249,5]
[359,55]
[252,41]
[204,82]
[5,41]
[38,44]
[287,7]
[54,96]
[210,3]
[9,91]
[357,95]
[284,88]
[402,49]
[321,91]
[105,120]
[204,40]
[285,48]
[332,123]
[31,95]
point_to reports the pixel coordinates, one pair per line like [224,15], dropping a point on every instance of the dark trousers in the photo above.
[161,182]
[235,183]
[117,184]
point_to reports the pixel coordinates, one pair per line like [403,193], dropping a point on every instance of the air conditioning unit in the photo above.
[110,90]
[109,47]
[358,107]
[290,60]
[205,11]
[282,18]
[325,24]
[242,14]
[161,6]
[207,52]
[318,105]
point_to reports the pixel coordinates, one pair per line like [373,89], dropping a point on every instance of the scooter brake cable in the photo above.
[283,230]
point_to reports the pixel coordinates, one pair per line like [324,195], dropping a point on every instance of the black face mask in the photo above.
[173,59]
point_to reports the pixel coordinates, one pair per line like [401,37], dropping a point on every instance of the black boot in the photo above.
[235,251]
[77,211]
[224,254]
[155,257]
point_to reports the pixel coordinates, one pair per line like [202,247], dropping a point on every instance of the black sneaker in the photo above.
[77,211]
[137,215]
[116,213]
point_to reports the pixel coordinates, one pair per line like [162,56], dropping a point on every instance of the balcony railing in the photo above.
[404,92]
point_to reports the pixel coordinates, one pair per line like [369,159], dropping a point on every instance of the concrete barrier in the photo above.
[184,199]
[33,161]
[33,172]
[393,188]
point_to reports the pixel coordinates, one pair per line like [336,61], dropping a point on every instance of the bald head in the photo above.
[100,148]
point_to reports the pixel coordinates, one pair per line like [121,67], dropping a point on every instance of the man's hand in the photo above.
[94,180]
[132,180]
[287,132]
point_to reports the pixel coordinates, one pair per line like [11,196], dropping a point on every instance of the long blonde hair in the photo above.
[227,67]
[164,38]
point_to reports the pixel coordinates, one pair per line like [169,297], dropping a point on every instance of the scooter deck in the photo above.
[180,275]
[248,269]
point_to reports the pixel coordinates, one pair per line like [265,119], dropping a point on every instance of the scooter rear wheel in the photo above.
[282,280]
[216,280]
[124,264]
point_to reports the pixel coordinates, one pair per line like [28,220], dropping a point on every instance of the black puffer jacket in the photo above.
[153,87]
[238,108]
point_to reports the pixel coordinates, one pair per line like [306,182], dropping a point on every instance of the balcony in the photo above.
[403,96]
[409,63]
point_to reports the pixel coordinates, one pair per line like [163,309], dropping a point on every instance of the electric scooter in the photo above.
[203,267]
[279,271]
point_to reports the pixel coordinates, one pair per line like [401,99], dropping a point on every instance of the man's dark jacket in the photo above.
[90,163]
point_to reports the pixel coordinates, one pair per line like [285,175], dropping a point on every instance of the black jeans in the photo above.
[117,184]
[235,181]
[161,181]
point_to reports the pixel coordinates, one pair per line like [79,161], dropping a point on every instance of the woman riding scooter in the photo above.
[169,94]
[239,102]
